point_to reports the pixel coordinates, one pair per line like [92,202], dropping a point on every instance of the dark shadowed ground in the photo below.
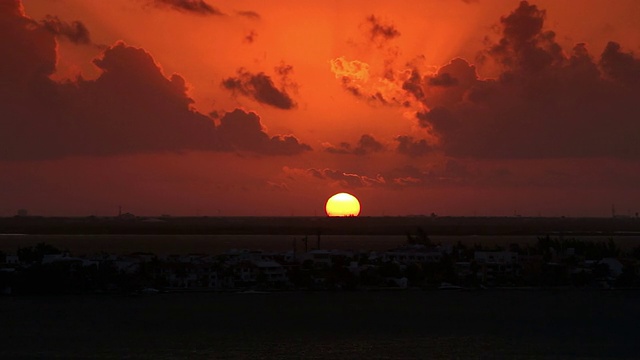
[218,244]
[494,324]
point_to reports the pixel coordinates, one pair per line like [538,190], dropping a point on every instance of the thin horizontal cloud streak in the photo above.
[346,179]
[367,144]
[199,7]
[451,172]
[249,14]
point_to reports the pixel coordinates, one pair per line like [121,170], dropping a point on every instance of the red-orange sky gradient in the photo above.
[204,107]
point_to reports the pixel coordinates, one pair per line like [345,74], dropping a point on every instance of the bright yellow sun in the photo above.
[343,204]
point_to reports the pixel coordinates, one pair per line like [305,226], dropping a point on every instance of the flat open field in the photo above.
[492,324]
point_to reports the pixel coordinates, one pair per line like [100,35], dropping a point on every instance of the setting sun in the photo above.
[343,204]
[421,106]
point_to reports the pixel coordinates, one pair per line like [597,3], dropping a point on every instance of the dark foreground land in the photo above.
[432,225]
[490,324]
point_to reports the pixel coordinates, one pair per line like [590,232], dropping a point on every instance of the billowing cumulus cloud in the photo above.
[245,132]
[76,31]
[189,6]
[620,66]
[545,102]
[261,88]
[367,144]
[132,107]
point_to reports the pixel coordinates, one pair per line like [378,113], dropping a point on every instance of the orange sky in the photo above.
[190,107]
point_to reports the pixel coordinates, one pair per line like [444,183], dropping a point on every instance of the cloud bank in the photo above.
[132,107]
[545,102]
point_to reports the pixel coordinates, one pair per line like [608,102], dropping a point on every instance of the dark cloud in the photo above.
[284,70]
[244,131]
[29,52]
[190,6]
[408,176]
[249,14]
[620,66]
[407,145]
[524,46]
[448,86]
[443,79]
[76,32]
[130,108]
[545,102]
[261,88]
[366,145]
[413,85]
[380,33]
[250,37]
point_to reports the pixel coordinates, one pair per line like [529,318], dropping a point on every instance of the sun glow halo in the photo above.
[342,204]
